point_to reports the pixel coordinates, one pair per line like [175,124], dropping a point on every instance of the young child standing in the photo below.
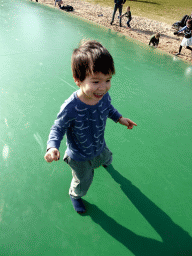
[187,40]
[155,39]
[83,118]
[128,16]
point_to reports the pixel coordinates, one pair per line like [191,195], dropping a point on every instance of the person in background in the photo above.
[187,40]
[60,2]
[118,5]
[128,16]
[155,39]
[182,23]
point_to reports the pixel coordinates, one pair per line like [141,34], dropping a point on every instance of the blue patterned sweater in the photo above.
[84,126]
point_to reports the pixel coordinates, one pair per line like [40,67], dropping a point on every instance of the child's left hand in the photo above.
[127,122]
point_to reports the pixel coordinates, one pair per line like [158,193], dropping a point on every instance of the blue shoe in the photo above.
[78,205]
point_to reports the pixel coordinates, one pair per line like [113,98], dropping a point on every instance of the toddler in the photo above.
[155,39]
[128,15]
[83,117]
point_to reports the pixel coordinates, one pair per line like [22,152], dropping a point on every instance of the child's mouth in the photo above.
[97,95]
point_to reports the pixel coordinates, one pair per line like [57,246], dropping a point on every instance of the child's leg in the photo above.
[107,156]
[153,43]
[128,23]
[82,173]
[179,50]
[81,181]
[188,47]
[104,159]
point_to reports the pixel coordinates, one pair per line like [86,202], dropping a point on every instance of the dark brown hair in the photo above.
[91,57]
[157,35]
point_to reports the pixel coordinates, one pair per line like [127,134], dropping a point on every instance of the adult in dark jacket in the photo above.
[118,5]
[183,22]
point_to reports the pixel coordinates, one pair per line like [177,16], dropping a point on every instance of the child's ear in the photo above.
[77,81]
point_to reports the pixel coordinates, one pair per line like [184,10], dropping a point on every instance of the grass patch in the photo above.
[168,11]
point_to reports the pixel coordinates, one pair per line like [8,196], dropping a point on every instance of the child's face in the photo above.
[93,88]
[188,24]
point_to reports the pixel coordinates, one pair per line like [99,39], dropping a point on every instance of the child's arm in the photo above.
[176,33]
[122,15]
[157,43]
[117,117]
[52,154]
[151,40]
[57,132]
[127,122]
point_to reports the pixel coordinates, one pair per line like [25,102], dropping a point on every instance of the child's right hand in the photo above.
[52,154]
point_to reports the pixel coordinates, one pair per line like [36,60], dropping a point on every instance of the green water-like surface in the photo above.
[141,205]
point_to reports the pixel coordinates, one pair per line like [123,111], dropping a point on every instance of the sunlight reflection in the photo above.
[188,71]
[6,122]
[5,152]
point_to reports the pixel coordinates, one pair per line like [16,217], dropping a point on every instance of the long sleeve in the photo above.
[58,130]
[182,29]
[113,113]
[84,126]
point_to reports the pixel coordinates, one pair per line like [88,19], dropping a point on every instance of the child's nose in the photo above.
[102,85]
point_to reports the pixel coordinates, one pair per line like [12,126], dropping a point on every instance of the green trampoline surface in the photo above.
[142,204]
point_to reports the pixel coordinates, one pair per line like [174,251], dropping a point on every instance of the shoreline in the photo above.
[141,28]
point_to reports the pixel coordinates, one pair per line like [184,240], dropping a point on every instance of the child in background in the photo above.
[187,40]
[60,2]
[83,118]
[128,15]
[155,39]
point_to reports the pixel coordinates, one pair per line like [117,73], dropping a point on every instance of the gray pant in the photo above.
[83,172]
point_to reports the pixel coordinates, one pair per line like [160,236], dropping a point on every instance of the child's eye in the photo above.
[108,81]
[95,82]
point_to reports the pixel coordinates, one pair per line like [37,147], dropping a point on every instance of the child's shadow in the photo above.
[176,241]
